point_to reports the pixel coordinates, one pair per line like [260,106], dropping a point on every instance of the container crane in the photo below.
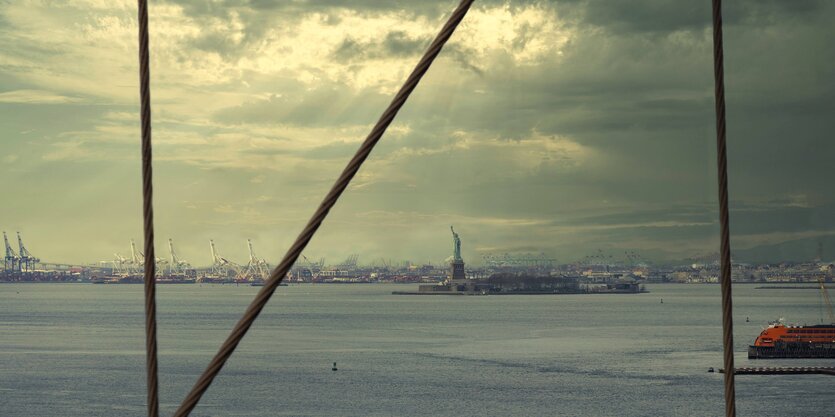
[255,269]
[220,265]
[350,263]
[11,261]
[27,261]
[121,265]
[136,265]
[311,269]
[137,259]
[177,265]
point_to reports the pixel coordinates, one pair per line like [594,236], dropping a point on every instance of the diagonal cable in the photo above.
[725,245]
[278,274]
[148,213]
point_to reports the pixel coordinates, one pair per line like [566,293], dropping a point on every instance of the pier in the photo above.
[782,370]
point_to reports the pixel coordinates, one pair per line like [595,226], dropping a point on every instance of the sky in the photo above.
[558,127]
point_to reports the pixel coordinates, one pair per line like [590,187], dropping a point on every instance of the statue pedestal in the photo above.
[457,270]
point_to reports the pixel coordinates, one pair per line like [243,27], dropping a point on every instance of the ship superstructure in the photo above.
[781,341]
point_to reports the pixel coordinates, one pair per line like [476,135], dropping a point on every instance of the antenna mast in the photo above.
[826,300]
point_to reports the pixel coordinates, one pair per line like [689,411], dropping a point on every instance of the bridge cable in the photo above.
[148,213]
[725,245]
[278,274]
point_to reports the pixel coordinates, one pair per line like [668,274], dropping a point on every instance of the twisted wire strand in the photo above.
[148,213]
[725,245]
[278,274]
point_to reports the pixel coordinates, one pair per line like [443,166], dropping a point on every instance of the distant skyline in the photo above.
[561,127]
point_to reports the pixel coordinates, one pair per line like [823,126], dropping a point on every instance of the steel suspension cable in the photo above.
[278,274]
[148,213]
[725,245]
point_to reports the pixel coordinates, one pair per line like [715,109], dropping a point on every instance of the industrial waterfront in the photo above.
[520,272]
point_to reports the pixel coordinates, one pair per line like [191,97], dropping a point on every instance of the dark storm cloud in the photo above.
[756,220]
[218,42]
[393,44]
[399,43]
[660,17]
[640,15]
[199,7]
[259,17]
[674,213]
[349,49]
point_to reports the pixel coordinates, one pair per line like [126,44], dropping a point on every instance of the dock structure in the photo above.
[783,370]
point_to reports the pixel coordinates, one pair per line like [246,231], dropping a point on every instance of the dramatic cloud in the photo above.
[558,127]
[34,97]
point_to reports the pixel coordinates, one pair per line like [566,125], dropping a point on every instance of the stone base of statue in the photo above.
[458,270]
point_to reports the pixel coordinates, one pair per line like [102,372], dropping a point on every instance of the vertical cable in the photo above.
[148,213]
[725,245]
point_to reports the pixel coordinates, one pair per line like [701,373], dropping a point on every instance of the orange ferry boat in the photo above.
[778,341]
[781,341]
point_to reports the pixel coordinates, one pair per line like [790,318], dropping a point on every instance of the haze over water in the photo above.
[78,350]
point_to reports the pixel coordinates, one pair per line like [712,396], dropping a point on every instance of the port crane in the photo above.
[176,266]
[349,263]
[383,263]
[121,265]
[137,260]
[312,269]
[136,263]
[11,261]
[220,265]
[27,261]
[255,269]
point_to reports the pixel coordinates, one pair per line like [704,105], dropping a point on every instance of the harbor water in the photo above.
[78,350]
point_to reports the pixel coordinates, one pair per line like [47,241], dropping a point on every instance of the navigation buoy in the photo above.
[334,367]
[747,320]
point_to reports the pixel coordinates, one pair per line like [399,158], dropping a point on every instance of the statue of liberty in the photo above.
[457,244]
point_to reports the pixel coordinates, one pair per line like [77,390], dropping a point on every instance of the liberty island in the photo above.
[506,283]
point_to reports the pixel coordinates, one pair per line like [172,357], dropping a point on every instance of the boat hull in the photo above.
[793,351]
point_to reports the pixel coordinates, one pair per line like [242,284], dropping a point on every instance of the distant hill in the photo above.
[794,250]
